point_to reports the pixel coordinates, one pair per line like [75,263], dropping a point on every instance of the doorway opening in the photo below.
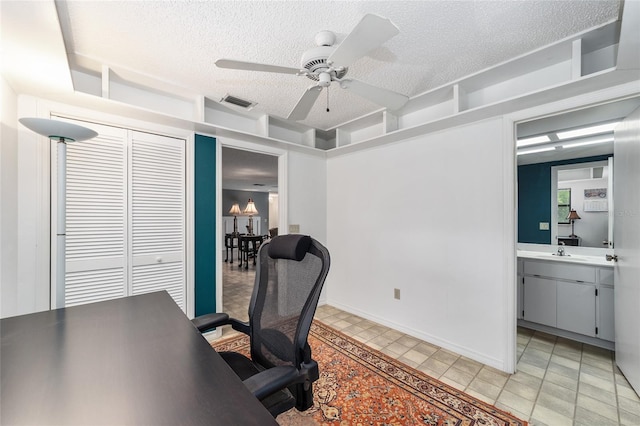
[565,215]
[250,215]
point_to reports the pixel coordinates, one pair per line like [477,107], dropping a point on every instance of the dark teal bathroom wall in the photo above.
[205,224]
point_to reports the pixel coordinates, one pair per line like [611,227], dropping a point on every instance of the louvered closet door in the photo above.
[96,256]
[157,208]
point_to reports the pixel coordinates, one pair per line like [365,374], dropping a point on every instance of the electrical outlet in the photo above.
[396,293]
[294,229]
[544,226]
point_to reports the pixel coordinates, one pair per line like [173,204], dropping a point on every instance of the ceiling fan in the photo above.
[327,63]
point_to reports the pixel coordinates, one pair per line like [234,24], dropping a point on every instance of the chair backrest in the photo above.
[290,273]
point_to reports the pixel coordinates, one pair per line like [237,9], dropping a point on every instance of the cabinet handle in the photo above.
[610,257]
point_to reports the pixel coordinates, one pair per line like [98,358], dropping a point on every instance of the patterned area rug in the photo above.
[361,386]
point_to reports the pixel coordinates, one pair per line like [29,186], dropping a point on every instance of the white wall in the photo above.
[427,216]
[8,197]
[307,200]
[307,197]
[25,248]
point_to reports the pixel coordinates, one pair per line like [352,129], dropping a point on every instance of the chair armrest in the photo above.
[272,380]
[207,322]
[240,326]
[310,370]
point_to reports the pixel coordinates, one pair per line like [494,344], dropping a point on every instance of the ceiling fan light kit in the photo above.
[325,64]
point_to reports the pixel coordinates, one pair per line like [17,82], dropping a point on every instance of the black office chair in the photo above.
[290,273]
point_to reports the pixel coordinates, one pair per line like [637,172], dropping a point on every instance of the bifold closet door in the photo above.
[97,229]
[125,216]
[157,209]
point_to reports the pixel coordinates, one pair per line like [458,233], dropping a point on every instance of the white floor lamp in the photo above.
[62,133]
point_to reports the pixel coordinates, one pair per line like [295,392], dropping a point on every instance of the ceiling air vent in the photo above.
[242,103]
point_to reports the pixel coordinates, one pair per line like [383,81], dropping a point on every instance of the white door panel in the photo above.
[157,200]
[627,247]
[96,258]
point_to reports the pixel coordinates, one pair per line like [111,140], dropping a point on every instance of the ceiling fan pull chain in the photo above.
[327,99]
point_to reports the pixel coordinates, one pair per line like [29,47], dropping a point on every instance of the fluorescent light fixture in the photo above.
[533,151]
[533,141]
[586,131]
[591,142]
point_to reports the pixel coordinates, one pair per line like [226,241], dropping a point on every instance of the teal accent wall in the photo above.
[534,198]
[205,224]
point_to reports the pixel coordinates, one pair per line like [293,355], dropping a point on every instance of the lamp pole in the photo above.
[61,224]
[62,133]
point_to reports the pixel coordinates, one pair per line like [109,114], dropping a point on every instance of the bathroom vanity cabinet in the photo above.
[571,299]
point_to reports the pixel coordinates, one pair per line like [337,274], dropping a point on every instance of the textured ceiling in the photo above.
[439,41]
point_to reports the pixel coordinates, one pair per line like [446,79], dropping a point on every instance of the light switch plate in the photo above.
[294,229]
[544,226]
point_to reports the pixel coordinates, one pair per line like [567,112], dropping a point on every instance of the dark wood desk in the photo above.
[131,361]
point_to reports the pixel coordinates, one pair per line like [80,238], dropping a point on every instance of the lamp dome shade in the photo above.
[251,208]
[235,210]
[573,215]
[58,130]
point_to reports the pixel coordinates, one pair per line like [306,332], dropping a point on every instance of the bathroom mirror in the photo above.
[583,191]
[565,163]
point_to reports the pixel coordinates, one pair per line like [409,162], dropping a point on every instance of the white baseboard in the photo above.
[434,340]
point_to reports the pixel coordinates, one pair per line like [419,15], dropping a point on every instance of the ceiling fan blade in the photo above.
[254,66]
[371,32]
[384,97]
[305,103]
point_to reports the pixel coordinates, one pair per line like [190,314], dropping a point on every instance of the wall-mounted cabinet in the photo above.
[574,59]
[599,49]
[516,77]
[364,128]
[437,104]
[221,116]
[137,90]
[325,140]
[290,131]
[87,82]
[127,91]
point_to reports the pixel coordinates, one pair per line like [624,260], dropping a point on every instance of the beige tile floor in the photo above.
[559,381]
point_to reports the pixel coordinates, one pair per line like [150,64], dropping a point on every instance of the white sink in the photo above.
[566,257]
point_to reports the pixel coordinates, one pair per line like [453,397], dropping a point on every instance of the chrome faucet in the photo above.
[561,249]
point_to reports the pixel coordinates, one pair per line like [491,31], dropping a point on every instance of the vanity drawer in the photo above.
[562,271]
[605,276]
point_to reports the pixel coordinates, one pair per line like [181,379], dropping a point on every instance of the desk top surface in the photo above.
[136,360]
